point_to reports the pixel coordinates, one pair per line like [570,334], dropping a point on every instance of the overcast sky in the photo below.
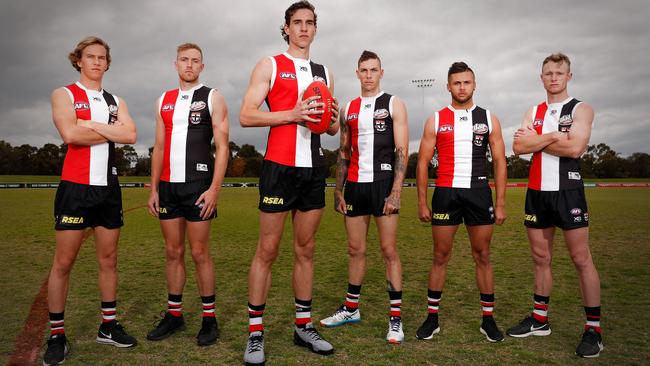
[503,41]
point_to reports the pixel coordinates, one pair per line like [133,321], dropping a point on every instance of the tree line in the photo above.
[599,161]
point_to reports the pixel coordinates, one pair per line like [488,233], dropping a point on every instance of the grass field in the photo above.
[619,242]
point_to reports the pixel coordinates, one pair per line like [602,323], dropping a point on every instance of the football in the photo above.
[319,88]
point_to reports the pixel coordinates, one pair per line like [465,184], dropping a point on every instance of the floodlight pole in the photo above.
[423,84]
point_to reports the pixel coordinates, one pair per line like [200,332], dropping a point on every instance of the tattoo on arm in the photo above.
[342,166]
[400,164]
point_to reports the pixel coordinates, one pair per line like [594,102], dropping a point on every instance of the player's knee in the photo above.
[542,259]
[304,253]
[62,267]
[390,254]
[481,257]
[108,262]
[174,252]
[441,258]
[356,251]
[267,254]
[200,255]
[582,261]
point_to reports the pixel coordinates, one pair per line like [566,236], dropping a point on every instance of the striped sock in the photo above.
[208,306]
[593,318]
[433,298]
[303,313]
[56,324]
[540,309]
[352,298]
[255,314]
[175,304]
[395,303]
[108,311]
[487,305]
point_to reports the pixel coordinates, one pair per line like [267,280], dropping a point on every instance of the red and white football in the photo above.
[319,88]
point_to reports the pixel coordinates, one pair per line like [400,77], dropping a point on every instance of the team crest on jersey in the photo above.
[318,78]
[112,109]
[381,113]
[480,128]
[287,76]
[538,122]
[197,106]
[81,106]
[380,125]
[195,118]
[352,116]
[478,140]
[168,107]
[446,129]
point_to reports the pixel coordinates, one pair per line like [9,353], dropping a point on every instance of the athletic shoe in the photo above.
[490,330]
[114,334]
[528,327]
[168,325]
[341,316]
[308,337]
[395,333]
[590,345]
[57,349]
[254,354]
[209,332]
[428,328]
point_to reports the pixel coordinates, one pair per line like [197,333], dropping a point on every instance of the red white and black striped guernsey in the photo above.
[92,165]
[370,122]
[187,115]
[462,143]
[292,144]
[549,172]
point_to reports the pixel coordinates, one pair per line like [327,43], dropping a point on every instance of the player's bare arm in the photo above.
[574,143]
[65,121]
[220,130]
[498,151]
[401,137]
[334,125]
[123,131]
[156,162]
[526,140]
[342,165]
[250,114]
[425,154]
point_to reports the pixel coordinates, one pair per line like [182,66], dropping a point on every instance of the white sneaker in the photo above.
[395,332]
[340,317]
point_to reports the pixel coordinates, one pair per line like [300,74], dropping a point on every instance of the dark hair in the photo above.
[559,58]
[304,4]
[75,55]
[458,67]
[368,55]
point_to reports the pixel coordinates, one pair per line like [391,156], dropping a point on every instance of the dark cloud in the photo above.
[504,41]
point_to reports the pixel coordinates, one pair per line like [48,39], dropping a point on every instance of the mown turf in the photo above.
[619,241]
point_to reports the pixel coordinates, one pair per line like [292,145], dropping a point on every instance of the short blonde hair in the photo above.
[75,55]
[189,46]
[558,57]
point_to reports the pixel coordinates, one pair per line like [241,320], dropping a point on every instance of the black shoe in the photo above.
[114,334]
[168,325]
[209,332]
[528,327]
[57,349]
[490,330]
[590,345]
[428,328]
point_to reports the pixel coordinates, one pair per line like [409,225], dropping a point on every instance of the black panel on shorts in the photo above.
[283,188]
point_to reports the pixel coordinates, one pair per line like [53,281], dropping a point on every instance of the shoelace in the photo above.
[255,344]
[394,325]
[313,334]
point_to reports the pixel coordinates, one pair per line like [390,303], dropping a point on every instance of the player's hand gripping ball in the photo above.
[319,88]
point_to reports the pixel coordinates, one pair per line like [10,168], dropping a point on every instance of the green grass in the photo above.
[619,242]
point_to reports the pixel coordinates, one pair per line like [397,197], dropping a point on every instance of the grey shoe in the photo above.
[308,337]
[254,354]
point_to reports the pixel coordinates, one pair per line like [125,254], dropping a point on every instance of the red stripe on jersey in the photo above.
[353,128]
[445,147]
[535,174]
[281,143]
[76,167]
[167,115]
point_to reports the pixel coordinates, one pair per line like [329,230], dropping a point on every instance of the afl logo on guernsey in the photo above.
[381,113]
[197,106]
[445,129]
[168,107]
[81,106]
[480,128]
[287,76]
[538,122]
[352,116]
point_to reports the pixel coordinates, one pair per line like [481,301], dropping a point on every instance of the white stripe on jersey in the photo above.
[551,163]
[366,138]
[463,133]
[178,145]
[303,140]
[274,72]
